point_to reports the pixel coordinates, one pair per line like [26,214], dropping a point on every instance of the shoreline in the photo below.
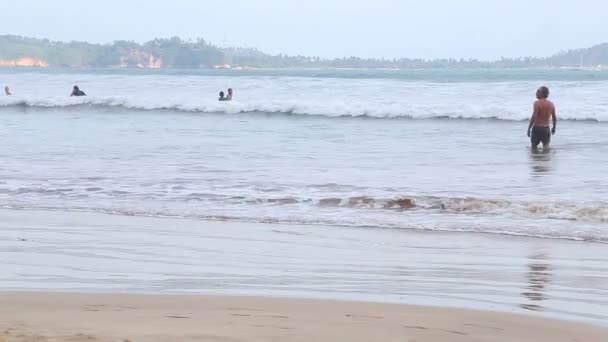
[97,253]
[236,220]
[128,317]
[303,68]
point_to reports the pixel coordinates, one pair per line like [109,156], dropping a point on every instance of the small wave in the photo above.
[588,212]
[328,110]
[596,212]
[325,222]
[46,191]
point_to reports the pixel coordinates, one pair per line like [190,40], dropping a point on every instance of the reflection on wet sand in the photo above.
[538,276]
[541,161]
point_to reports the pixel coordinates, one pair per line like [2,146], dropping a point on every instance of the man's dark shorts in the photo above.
[541,134]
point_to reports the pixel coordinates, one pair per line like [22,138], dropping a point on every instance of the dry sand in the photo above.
[111,317]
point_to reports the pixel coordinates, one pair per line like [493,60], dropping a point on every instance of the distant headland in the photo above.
[17,51]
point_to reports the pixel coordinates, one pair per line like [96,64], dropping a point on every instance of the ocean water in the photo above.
[311,147]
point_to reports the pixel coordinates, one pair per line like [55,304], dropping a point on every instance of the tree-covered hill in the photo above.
[177,53]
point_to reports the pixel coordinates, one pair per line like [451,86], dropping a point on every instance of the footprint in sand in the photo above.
[483,327]
[274,316]
[113,308]
[81,337]
[257,316]
[415,327]
[271,326]
[244,309]
[455,332]
[363,316]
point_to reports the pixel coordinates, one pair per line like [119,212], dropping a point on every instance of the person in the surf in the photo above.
[229,97]
[222,97]
[539,129]
[77,92]
[7,91]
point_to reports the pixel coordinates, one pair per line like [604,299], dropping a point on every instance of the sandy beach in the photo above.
[116,317]
[152,279]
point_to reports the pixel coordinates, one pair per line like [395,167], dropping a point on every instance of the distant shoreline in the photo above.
[174,52]
[565,68]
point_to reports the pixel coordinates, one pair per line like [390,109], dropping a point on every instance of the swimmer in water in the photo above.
[77,92]
[229,97]
[222,97]
[7,91]
[539,129]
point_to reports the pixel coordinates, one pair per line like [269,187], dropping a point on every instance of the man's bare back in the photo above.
[539,129]
[544,111]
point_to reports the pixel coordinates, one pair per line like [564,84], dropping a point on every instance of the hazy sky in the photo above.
[485,29]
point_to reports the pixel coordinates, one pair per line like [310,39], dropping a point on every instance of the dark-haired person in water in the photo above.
[7,91]
[222,97]
[539,129]
[77,92]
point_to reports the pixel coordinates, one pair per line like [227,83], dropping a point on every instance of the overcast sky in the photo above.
[484,29]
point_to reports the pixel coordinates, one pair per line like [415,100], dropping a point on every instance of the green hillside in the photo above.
[177,53]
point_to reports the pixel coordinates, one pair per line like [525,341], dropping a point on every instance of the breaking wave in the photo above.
[330,109]
[592,212]
[405,212]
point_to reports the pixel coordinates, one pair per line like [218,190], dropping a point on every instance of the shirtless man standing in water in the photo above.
[540,129]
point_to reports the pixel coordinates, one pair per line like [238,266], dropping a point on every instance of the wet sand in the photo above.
[96,277]
[117,317]
[96,253]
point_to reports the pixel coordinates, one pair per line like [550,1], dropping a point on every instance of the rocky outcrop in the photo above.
[23,62]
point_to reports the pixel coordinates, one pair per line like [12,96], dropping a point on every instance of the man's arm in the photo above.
[533,117]
[554,116]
